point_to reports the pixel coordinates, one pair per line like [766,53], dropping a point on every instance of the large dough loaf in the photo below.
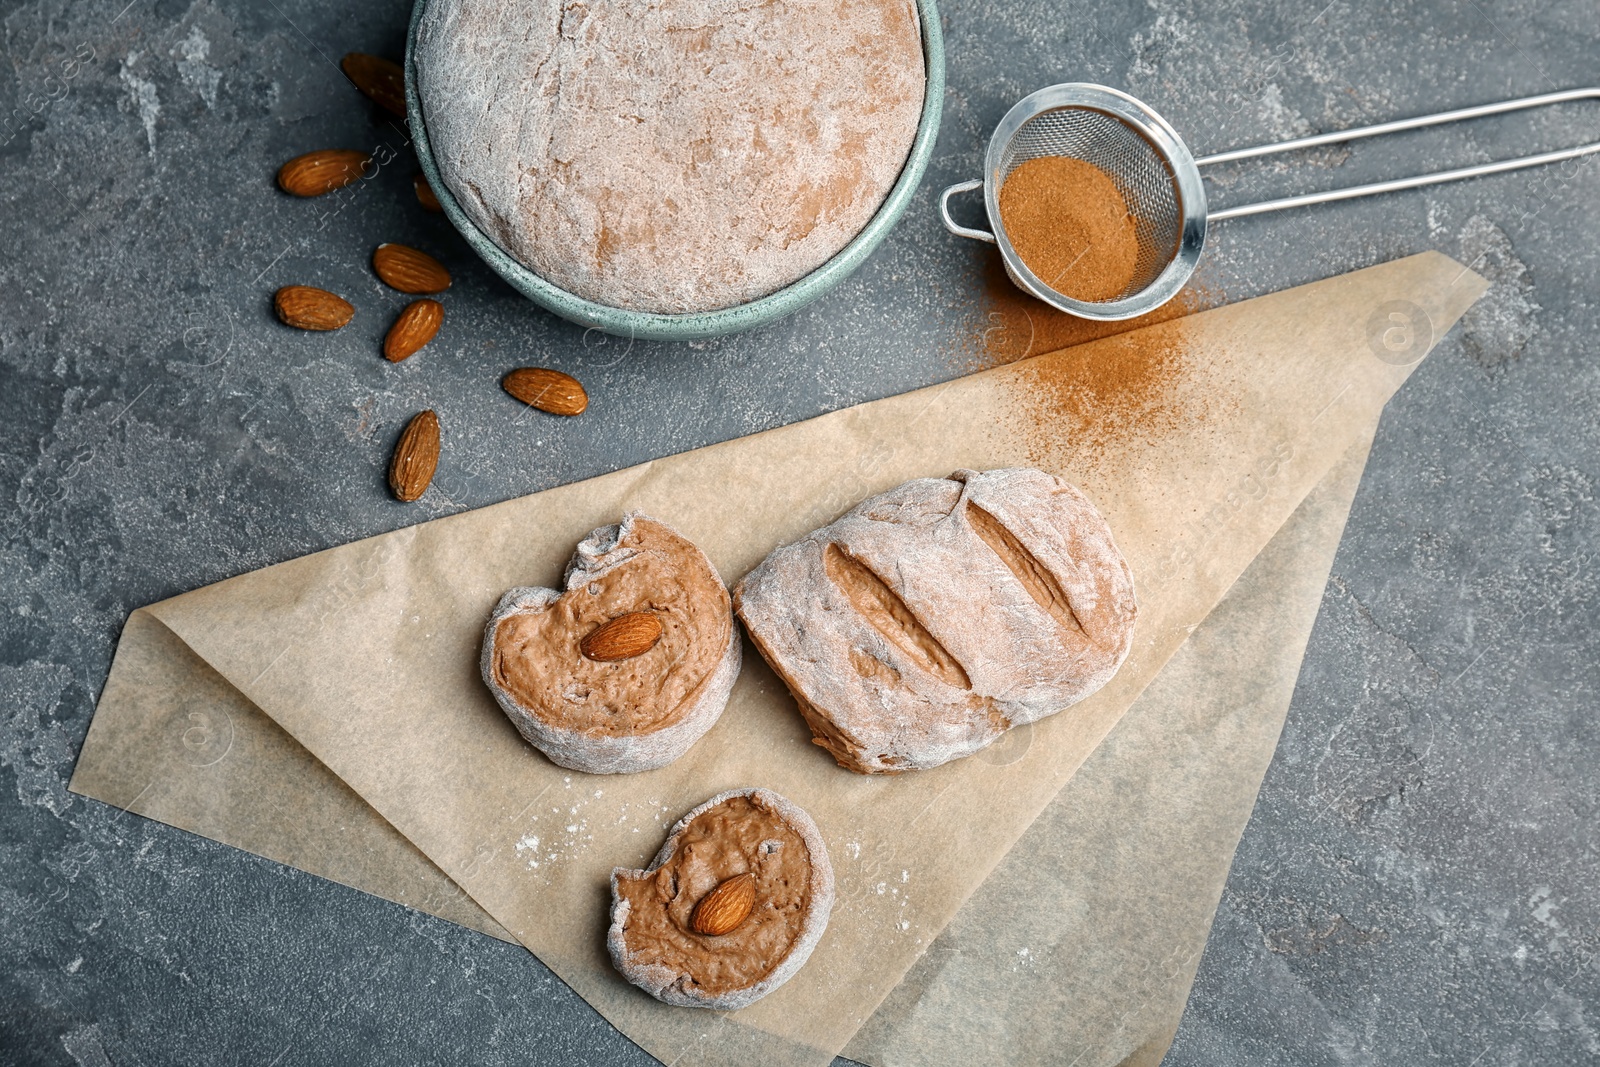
[670,155]
[929,620]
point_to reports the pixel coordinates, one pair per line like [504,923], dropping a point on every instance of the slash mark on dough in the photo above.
[882,607]
[1034,575]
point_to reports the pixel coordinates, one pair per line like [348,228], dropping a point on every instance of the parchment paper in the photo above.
[1121,871]
[365,654]
[1081,947]
[173,740]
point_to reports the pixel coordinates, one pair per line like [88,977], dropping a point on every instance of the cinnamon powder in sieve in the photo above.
[1070,224]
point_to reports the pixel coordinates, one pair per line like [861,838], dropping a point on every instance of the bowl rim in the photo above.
[696,325]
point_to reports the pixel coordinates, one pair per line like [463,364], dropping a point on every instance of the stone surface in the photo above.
[1419,881]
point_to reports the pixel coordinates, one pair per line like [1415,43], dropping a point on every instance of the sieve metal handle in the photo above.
[1397,126]
[951,224]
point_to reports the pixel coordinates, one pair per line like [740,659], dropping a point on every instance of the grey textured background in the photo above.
[1419,882]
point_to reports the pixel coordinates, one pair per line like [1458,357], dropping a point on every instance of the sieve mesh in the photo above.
[1139,170]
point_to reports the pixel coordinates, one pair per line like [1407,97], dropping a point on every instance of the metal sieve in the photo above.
[1160,180]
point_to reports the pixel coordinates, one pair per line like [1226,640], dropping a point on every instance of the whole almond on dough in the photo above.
[725,907]
[306,308]
[623,637]
[380,79]
[753,830]
[322,171]
[616,717]
[546,389]
[425,194]
[408,270]
[417,325]
[416,457]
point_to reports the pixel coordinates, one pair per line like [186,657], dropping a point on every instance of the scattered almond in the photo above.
[381,79]
[623,637]
[546,389]
[306,308]
[416,457]
[725,907]
[408,270]
[416,326]
[425,193]
[322,171]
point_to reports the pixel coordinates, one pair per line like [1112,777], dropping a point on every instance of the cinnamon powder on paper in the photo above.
[1085,401]
[1082,404]
[1070,224]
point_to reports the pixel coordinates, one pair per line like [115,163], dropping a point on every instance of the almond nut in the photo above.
[381,79]
[306,308]
[546,389]
[425,195]
[623,637]
[409,270]
[725,907]
[416,457]
[323,171]
[416,326]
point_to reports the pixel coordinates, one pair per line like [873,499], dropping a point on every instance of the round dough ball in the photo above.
[674,155]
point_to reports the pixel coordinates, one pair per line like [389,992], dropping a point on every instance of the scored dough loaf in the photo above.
[625,715]
[927,621]
[675,156]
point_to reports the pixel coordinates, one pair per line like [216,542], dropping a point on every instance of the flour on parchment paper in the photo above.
[559,827]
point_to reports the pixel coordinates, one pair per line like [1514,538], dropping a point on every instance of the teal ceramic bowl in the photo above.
[688,327]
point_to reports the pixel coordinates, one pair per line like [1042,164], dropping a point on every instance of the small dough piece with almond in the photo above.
[927,621]
[730,908]
[630,664]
